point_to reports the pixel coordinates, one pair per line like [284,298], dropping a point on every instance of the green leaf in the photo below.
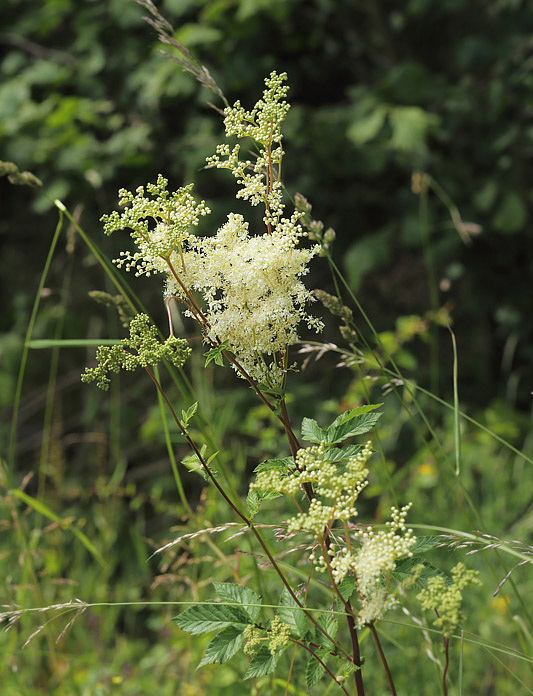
[280,464]
[252,500]
[256,496]
[314,670]
[203,618]
[311,431]
[338,454]
[348,415]
[263,663]
[208,462]
[367,127]
[348,424]
[357,425]
[291,614]
[223,646]
[347,587]
[404,569]
[192,462]
[330,624]
[425,543]
[230,592]
[189,413]
[216,354]
[410,127]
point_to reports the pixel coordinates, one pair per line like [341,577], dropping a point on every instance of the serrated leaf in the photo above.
[280,464]
[204,618]
[339,454]
[252,500]
[348,415]
[230,592]
[216,354]
[425,543]
[262,663]
[192,462]
[314,670]
[347,587]
[311,431]
[330,624]
[223,646]
[189,413]
[256,496]
[404,568]
[208,462]
[291,614]
[355,426]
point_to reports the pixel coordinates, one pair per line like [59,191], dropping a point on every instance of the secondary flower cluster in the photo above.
[142,349]
[446,598]
[258,180]
[159,224]
[367,554]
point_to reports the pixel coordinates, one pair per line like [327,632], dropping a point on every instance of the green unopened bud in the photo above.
[348,334]
[329,235]
[279,635]
[315,230]
[302,204]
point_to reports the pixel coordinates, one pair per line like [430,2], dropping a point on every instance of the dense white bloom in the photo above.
[252,289]
[253,298]
[375,560]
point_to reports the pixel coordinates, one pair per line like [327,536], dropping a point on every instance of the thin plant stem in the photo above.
[24,358]
[294,649]
[423,217]
[324,666]
[446,642]
[383,659]
[243,517]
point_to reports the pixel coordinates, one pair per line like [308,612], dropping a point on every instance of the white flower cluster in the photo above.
[375,559]
[259,179]
[159,223]
[253,294]
[377,554]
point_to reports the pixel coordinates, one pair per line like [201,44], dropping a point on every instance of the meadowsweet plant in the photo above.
[244,289]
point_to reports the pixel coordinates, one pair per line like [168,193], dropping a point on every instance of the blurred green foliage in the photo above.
[379,91]
[89,104]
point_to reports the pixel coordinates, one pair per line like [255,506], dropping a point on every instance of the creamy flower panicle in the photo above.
[252,295]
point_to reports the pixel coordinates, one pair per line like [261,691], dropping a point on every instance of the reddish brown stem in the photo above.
[383,659]
[446,664]
[324,666]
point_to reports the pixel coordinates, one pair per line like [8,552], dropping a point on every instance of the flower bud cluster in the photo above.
[159,224]
[446,599]
[279,636]
[142,349]
[252,640]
